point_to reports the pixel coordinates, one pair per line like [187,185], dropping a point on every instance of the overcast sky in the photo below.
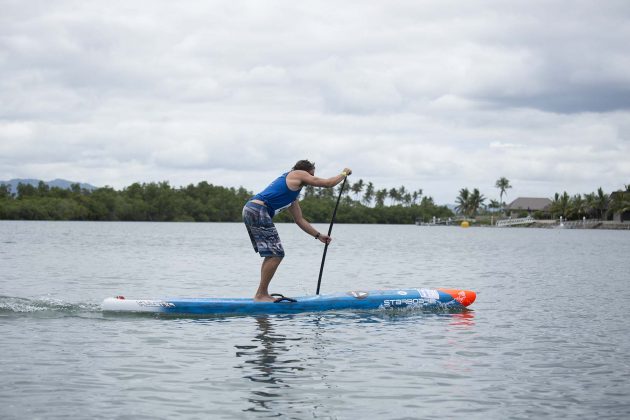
[437,95]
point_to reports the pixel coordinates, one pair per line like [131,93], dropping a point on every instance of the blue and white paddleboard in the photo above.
[358,300]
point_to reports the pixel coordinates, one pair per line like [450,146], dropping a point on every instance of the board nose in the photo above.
[464,297]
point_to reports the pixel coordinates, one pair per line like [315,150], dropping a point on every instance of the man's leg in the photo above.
[267,270]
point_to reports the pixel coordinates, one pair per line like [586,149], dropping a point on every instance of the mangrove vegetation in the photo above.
[361,203]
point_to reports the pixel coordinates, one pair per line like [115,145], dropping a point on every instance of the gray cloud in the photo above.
[439,95]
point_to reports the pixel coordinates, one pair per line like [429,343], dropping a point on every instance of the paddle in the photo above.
[332,221]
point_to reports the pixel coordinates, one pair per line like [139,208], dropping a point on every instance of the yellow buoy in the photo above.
[465,224]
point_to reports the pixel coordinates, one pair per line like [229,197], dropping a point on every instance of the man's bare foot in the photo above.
[264,298]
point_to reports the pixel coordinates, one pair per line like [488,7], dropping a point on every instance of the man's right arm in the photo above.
[308,179]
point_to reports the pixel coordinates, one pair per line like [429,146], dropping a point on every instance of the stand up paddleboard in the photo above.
[357,300]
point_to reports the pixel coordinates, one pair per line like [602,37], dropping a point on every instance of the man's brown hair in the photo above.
[304,165]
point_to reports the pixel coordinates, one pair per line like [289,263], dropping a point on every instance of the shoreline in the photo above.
[542,224]
[549,224]
[578,224]
[538,224]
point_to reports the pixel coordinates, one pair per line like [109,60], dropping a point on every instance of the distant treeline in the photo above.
[595,205]
[205,202]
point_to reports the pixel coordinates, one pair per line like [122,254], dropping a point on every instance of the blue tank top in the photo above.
[277,196]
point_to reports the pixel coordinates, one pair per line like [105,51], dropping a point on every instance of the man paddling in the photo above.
[281,194]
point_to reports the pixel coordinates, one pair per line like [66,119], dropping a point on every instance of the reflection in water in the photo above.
[463,319]
[278,383]
[268,366]
[458,362]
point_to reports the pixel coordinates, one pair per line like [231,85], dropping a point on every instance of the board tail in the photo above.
[464,297]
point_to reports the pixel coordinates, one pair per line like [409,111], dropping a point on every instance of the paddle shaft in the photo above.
[332,221]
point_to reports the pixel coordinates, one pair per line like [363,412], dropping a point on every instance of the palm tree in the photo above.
[620,202]
[415,196]
[380,197]
[343,192]
[463,201]
[601,202]
[494,204]
[503,184]
[589,205]
[402,191]
[560,204]
[393,194]
[476,201]
[369,194]
[357,188]
[427,201]
[577,207]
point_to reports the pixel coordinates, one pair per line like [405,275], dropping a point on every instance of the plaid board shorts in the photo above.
[262,231]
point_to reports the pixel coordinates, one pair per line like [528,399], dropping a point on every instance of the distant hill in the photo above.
[59,183]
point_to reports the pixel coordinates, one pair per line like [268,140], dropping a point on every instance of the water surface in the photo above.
[547,337]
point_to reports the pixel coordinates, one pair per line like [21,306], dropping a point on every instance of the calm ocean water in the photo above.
[547,338]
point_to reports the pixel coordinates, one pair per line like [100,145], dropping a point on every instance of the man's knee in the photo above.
[273,260]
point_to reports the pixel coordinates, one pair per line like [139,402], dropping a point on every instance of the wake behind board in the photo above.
[354,300]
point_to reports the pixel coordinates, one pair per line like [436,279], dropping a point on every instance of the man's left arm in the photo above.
[296,212]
